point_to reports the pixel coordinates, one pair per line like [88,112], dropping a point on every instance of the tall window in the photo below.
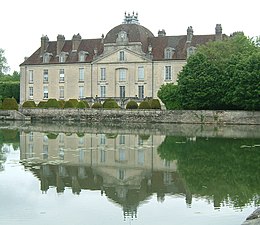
[103,74]
[61,75]
[141,91]
[168,73]
[141,73]
[102,91]
[168,54]
[30,92]
[122,74]
[122,139]
[45,76]
[102,139]
[30,76]
[81,74]
[121,56]
[62,58]
[82,57]
[45,92]
[61,92]
[122,91]
[81,92]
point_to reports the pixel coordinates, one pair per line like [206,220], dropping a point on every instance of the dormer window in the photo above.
[122,38]
[63,56]
[82,56]
[46,57]
[168,53]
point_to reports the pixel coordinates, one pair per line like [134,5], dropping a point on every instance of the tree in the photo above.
[220,75]
[3,62]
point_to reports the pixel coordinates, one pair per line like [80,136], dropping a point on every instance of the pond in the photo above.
[142,174]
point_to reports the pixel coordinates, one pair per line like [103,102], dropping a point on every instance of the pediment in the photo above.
[129,57]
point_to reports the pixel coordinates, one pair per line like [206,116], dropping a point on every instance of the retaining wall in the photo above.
[145,116]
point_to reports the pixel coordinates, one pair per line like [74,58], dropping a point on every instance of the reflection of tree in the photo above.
[11,137]
[226,169]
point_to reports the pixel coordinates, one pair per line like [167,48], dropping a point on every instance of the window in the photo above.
[61,75]
[61,92]
[121,56]
[102,139]
[81,92]
[45,152]
[168,73]
[122,154]
[46,57]
[45,75]
[102,155]
[121,174]
[103,74]
[122,74]
[141,91]
[45,92]
[122,139]
[102,91]
[82,57]
[62,58]
[168,54]
[81,74]
[140,73]
[30,92]
[140,156]
[122,91]
[30,76]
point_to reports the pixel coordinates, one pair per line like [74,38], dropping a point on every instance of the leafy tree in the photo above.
[221,75]
[3,62]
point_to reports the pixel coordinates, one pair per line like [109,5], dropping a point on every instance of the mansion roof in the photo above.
[135,34]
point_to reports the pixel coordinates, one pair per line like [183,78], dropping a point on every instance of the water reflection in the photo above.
[129,167]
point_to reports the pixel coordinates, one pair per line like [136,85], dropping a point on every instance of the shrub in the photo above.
[41,104]
[81,105]
[10,104]
[0,104]
[132,105]
[87,105]
[97,105]
[74,102]
[61,104]
[29,104]
[68,104]
[144,105]
[52,103]
[155,104]
[110,104]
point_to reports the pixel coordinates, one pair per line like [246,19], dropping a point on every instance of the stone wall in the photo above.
[145,116]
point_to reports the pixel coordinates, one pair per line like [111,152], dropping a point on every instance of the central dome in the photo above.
[135,33]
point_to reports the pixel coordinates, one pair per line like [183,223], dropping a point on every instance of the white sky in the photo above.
[23,22]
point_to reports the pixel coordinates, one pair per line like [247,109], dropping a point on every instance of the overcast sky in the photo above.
[23,22]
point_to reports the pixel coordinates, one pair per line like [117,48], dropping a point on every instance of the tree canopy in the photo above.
[3,62]
[220,75]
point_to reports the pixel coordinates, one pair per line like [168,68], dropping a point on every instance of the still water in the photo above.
[174,174]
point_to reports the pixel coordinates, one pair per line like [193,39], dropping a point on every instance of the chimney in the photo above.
[189,34]
[60,43]
[44,43]
[161,33]
[218,32]
[76,39]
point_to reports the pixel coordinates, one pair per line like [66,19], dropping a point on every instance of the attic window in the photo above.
[63,57]
[168,53]
[82,56]
[121,56]
[122,37]
[46,57]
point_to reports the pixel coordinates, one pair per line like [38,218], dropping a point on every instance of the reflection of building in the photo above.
[128,62]
[126,167]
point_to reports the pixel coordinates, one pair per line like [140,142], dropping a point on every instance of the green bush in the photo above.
[52,103]
[1,104]
[132,105]
[61,104]
[87,105]
[155,104]
[41,104]
[69,104]
[144,105]
[74,102]
[110,104]
[81,105]
[10,104]
[97,105]
[29,104]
